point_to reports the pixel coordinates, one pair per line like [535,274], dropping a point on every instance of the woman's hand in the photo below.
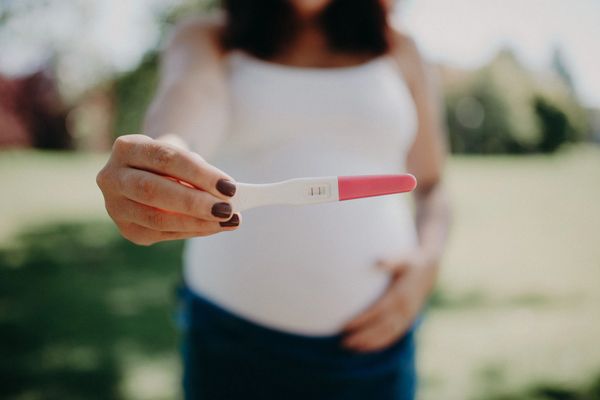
[392,315]
[152,192]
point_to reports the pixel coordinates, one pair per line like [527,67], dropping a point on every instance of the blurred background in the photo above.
[84,314]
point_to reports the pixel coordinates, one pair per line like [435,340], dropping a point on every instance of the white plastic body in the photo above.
[297,191]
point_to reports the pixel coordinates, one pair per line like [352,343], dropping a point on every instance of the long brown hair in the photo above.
[262,27]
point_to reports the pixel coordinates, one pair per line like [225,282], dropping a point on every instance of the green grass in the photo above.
[519,286]
[79,307]
[87,315]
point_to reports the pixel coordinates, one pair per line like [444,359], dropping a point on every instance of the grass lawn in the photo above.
[87,315]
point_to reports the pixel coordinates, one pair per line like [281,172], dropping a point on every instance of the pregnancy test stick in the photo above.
[303,191]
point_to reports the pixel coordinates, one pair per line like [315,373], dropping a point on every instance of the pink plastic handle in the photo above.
[358,186]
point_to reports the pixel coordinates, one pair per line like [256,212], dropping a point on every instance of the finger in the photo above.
[167,159]
[368,340]
[153,218]
[376,336]
[233,222]
[373,312]
[159,192]
[390,265]
[145,236]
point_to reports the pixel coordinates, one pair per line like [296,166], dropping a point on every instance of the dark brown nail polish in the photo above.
[233,221]
[226,187]
[222,210]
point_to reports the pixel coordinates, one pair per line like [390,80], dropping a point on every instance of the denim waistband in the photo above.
[200,314]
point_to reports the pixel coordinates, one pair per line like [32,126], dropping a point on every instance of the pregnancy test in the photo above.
[304,191]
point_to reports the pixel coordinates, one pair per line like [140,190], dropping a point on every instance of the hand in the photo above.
[155,191]
[395,311]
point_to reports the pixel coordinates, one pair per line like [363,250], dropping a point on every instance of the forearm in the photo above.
[433,222]
[180,116]
[163,119]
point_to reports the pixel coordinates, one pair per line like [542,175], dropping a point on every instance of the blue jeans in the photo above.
[226,356]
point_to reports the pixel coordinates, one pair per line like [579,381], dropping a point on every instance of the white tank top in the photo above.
[308,269]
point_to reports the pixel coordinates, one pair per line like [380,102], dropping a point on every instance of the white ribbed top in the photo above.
[308,269]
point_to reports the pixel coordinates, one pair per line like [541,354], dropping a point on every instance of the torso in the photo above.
[308,269]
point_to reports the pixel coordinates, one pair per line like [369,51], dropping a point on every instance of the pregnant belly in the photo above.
[306,270]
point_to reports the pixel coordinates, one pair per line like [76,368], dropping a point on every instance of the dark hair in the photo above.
[263,27]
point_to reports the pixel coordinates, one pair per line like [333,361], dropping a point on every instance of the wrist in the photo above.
[428,266]
[173,139]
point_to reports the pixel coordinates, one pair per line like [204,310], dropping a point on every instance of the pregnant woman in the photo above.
[313,302]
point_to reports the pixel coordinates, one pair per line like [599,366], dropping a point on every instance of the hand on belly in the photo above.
[395,311]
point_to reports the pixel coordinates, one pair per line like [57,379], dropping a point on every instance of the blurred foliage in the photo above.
[554,124]
[505,108]
[500,108]
[133,94]
[74,300]
[134,90]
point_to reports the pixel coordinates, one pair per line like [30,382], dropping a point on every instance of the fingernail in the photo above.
[222,210]
[226,187]
[233,221]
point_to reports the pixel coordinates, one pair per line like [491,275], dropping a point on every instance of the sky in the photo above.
[467,33]
[94,39]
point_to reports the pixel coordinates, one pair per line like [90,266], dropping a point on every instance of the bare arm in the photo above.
[154,188]
[414,274]
[427,157]
[191,104]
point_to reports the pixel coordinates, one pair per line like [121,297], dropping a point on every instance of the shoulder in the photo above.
[192,48]
[405,50]
[196,35]
[401,41]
